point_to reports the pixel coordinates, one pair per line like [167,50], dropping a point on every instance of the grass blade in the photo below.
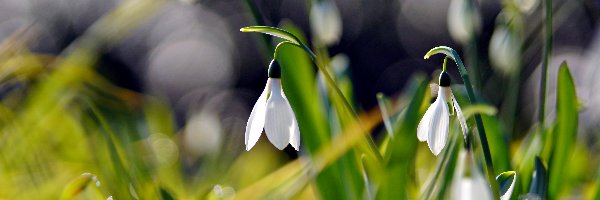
[566,131]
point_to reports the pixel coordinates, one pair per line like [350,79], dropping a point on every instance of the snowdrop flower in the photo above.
[469,187]
[475,186]
[434,125]
[464,20]
[273,112]
[325,21]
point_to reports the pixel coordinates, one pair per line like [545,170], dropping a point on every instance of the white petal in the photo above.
[423,128]
[256,122]
[461,117]
[480,187]
[438,126]
[279,118]
[458,179]
[295,131]
[474,187]
[295,135]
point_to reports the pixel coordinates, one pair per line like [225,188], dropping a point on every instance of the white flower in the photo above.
[464,20]
[434,125]
[325,21]
[473,187]
[273,112]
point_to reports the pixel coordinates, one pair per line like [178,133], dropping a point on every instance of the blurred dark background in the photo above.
[192,51]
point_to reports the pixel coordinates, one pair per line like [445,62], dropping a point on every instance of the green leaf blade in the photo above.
[277,32]
[566,131]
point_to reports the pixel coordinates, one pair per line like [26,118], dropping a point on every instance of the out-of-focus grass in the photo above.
[68,133]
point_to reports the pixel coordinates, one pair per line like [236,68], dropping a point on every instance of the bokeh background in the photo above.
[190,48]
[191,55]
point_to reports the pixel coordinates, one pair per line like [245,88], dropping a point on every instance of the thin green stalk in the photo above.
[449,52]
[547,51]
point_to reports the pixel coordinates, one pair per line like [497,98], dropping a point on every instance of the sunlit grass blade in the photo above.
[485,109]
[78,185]
[299,83]
[277,32]
[382,102]
[566,131]
[399,175]
[369,187]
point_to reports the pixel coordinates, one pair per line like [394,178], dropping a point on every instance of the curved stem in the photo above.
[445,61]
[449,52]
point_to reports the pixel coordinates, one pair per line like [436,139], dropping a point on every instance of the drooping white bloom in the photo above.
[503,43]
[464,20]
[434,125]
[325,21]
[273,112]
[475,186]
[469,187]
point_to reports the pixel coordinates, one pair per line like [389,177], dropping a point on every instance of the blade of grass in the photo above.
[400,175]
[566,131]
[299,84]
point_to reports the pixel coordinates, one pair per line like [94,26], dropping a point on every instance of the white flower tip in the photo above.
[295,139]
[280,147]
[256,121]
[421,134]
[436,149]
[248,147]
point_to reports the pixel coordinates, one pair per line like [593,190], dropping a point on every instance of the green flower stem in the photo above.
[547,51]
[444,66]
[449,52]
